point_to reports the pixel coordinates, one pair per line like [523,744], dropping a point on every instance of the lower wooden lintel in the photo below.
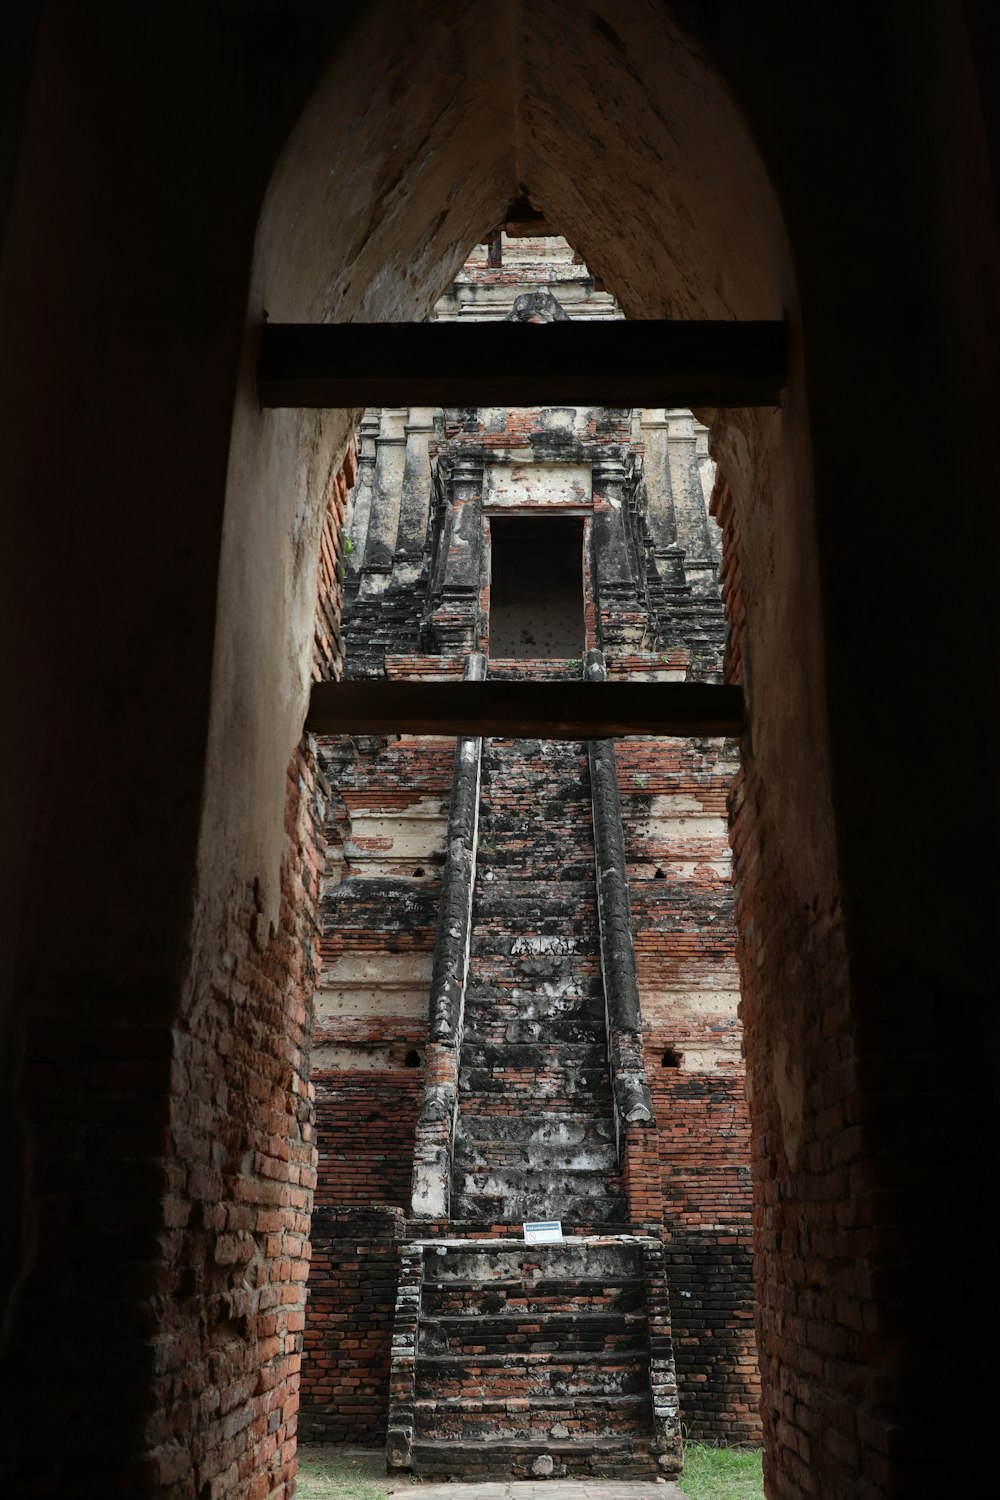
[526,710]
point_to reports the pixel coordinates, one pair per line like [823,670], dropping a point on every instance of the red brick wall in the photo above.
[712,1297]
[704,1151]
[237,1210]
[695,1164]
[352,1295]
[814,1211]
[365,1124]
[673,796]
[367,1098]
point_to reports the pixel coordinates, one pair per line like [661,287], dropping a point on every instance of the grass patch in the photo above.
[722,1473]
[331,1473]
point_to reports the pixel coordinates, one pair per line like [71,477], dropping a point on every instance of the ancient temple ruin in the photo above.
[528,1000]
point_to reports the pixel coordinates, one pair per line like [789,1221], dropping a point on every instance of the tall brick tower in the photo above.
[528,1009]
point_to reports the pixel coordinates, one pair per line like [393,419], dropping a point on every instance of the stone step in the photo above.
[544,995]
[519,1334]
[549,896]
[562,933]
[534,805]
[522,1057]
[519,777]
[599,1458]
[562,1084]
[503,970]
[533,916]
[518,935]
[510,1260]
[489,1180]
[531,784]
[560,848]
[515,865]
[481,1208]
[537,762]
[612,1362]
[553,1129]
[475,1159]
[501,1417]
[534,928]
[540,1078]
[563,773]
[556,839]
[499,1106]
[515,1299]
[524,778]
[495,1027]
[543,970]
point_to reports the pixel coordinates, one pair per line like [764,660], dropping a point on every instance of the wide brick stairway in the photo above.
[542,1359]
[535,1131]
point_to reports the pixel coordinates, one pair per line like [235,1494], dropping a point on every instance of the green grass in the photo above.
[330,1473]
[722,1473]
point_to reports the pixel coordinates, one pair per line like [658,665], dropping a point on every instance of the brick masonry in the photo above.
[123,588]
[356,1256]
[365,1129]
[808,1146]
[417,602]
[518,1360]
[239,1182]
[710,1275]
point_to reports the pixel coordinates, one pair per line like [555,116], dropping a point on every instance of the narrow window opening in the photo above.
[536,587]
[412,1059]
[671,1058]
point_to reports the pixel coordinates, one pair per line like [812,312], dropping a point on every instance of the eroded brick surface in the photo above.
[557,1039]
[356,1256]
[552,1352]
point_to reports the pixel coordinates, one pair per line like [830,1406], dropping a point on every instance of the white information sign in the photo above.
[543,1231]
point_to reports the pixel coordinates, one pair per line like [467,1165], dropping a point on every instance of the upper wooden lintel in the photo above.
[526,710]
[597,363]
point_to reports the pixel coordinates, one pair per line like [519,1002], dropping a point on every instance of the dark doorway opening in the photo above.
[536,587]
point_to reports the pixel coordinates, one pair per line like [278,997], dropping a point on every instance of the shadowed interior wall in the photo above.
[161,615]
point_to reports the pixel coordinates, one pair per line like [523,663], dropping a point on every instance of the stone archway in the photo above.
[369,224]
[133,1127]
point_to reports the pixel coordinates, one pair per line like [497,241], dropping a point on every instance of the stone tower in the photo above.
[529,992]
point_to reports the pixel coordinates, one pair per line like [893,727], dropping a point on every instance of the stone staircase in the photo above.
[521,1361]
[535,1133]
[515,1360]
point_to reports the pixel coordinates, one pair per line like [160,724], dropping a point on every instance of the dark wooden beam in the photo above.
[614,363]
[526,710]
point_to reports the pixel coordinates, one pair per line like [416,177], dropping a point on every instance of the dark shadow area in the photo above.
[536,587]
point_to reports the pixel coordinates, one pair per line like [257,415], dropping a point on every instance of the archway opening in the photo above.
[552,534]
[341,259]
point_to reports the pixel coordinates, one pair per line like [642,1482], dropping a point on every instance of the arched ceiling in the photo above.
[608,120]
